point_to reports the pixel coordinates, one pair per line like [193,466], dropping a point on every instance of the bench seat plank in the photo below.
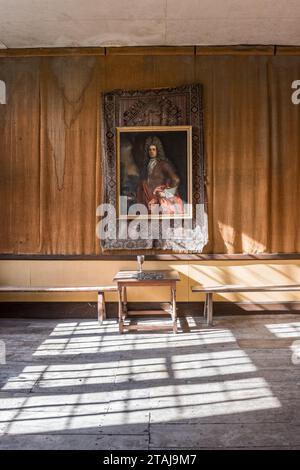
[48,289]
[223,288]
[239,288]
[111,288]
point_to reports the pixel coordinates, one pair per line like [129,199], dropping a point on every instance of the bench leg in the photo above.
[209,308]
[205,307]
[125,302]
[101,307]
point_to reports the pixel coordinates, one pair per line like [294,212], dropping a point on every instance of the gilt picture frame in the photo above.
[154,172]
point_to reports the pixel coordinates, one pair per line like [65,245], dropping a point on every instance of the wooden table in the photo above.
[125,279]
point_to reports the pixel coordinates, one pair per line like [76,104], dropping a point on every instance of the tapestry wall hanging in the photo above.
[153,168]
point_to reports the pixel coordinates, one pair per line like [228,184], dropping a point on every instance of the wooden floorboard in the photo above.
[75,384]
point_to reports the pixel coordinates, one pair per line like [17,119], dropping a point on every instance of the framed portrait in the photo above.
[154,169]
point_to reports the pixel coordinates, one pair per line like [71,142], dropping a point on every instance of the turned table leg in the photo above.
[125,302]
[121,324]
[174,311]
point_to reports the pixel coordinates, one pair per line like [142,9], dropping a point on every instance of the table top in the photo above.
[130,276]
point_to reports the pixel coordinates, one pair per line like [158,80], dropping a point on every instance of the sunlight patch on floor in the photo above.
[285,330]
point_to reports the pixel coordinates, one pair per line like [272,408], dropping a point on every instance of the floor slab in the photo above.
[75,384]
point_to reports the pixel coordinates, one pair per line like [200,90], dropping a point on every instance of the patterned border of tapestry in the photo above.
[137,125]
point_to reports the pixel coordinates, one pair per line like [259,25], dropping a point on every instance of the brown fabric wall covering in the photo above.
[50,162]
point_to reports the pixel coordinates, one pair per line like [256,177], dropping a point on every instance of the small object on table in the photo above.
[126,275]
[140,260]
[138,275]
[149,275]
[124,279]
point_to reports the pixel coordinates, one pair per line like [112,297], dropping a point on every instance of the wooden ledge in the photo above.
[240,288]
[110,288]
[235,50]
[148,51]
[53,52]
[288,50]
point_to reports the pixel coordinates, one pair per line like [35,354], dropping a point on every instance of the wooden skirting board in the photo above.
[150,51]
[156,257]
[238,50]
[89,309]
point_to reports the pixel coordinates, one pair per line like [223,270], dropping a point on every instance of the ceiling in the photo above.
[84,23]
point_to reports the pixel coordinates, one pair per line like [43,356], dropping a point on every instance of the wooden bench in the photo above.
[99,289]
[220,289]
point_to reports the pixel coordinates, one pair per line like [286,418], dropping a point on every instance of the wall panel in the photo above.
[20,157]
[50,153]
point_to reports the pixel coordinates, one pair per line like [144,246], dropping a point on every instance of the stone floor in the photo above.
[72,384]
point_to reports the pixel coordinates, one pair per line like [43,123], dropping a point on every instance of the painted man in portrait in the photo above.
[159,183]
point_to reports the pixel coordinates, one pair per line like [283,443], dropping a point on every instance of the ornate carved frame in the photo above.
[179,106]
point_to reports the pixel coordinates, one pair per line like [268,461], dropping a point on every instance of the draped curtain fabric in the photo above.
[51,158]
[177,106]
